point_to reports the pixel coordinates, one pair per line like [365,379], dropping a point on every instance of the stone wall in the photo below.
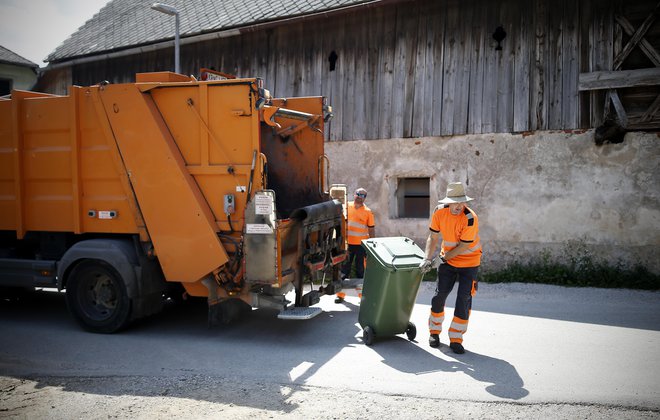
[548,192]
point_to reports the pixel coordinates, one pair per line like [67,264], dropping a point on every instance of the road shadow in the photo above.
[172,354]
[500,377]
[176,354]
[404,356]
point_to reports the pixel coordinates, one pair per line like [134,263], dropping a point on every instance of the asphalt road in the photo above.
[526,344]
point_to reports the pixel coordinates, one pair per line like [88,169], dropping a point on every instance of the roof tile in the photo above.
[10,57]
[126,23]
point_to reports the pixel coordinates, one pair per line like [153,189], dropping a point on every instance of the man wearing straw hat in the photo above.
[460,256]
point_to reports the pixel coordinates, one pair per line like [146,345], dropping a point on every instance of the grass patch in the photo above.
[581,270]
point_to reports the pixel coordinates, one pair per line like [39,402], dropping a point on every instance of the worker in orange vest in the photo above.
[460,257]
[361,226]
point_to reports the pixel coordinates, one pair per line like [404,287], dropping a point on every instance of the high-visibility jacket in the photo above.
[359,222]
[454,229]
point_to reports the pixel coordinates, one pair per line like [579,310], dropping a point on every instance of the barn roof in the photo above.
[10,57]
[123,24]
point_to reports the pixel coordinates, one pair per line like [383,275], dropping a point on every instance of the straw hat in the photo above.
[455,194]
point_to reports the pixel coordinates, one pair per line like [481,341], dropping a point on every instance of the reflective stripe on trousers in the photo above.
[457,329]
[467,288]
[435,322]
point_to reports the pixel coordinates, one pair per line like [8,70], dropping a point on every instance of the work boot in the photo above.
[434,340]
[457,348]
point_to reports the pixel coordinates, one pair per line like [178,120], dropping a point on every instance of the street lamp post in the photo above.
[172,11]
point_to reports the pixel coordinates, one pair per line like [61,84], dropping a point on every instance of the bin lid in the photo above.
[394,252]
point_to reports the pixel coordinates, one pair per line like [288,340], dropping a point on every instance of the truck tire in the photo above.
[97,298]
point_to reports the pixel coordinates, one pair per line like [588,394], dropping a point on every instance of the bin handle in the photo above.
[394,257]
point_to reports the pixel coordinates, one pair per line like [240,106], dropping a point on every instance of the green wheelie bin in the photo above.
[391,282]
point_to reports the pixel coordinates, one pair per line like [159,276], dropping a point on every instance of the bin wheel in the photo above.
[368,335]
[411,331]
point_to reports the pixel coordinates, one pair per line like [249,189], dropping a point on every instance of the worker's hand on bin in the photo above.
[425,266]
[438,261]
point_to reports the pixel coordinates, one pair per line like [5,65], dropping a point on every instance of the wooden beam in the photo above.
[645,46]
[618,107]
[619,79]
[641,31]
[653,110]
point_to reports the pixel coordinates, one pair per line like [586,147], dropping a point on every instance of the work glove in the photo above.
[425,266]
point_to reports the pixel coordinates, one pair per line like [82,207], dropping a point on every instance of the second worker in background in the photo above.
[361,226]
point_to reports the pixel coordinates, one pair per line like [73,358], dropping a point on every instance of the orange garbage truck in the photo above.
[125,195]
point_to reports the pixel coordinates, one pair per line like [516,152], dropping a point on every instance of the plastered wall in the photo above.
[551,192]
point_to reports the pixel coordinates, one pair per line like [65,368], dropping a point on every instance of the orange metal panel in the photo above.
[17,148]
[46,164]
[179,221]
[161,76]
[16,126]
[74,134]
[7,185]
[105,184]
[217,133]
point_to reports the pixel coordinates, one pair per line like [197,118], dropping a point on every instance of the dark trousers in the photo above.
[357,253]
[467,287]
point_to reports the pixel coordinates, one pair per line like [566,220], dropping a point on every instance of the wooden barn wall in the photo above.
[418,68]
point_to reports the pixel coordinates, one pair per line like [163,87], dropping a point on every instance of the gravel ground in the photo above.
[199,397]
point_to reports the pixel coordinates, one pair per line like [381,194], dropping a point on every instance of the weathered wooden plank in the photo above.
[438,71]
[327,39]
[619,79]
[569,99]
[420,75]
[603,56]
[281,63]
[374,30]
[480,42]
[584,60]
[337,85]
[296,71]
[451,56]
[504,111]
[431,67]
[360,90]
[348,76]
[464,45]
[316,57]
[386,73]
[523,61]
[411,46]
[271,60]
[554,85]
[401,52]
[491,71]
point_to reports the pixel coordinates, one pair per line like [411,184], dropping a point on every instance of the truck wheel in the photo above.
[97,298]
